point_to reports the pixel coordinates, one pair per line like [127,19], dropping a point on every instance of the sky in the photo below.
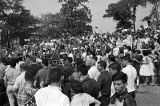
[39,7]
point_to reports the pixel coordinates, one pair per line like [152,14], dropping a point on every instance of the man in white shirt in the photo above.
[23,68]
[93,71]
[52,95]
[131,74]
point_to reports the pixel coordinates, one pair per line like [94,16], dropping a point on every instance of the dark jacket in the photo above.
[128,99]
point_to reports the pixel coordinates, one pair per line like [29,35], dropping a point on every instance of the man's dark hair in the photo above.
[33,59]
[12,62]
[24,66]
[121,50]
[20,59]
[45,62]
[115,66]
[146,52]
[35,68]
[102,64]
[76,86]
[127,57]
[95,58]
[138,52]
[69,59]
[29,76]
[111,57]
[83,69]
[129,48]
[55,75]
[120,76]
[108,49]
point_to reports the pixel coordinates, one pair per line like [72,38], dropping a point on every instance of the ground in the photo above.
[148,96]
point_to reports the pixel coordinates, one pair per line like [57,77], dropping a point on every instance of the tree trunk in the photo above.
[134,18]
[8,39]
[157,15]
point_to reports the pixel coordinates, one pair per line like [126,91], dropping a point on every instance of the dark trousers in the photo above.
[133,94]
[3,96]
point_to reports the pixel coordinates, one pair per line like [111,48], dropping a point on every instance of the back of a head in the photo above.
[34,68]
[108,49]
[29,76]
[102,64]
[76,86]
[33,59]
[121,50]
[95,58]
[115,66]
[45,62]
[111,57]
[55,75]
[19,59]
[145,52]
[127,57]
[83,69]
[69,59]
[120,76]
[12,62]
[24,66]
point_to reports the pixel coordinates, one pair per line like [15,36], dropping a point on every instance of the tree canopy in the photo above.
[77,17]
[124,12]
[51,25]
[17,20]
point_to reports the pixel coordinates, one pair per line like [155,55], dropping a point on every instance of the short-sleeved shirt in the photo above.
[132,74]
[11,75]
[82,99]
[19,80]
[25,93]
[51,96]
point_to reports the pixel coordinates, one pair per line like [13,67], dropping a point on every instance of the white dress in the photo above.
[151,66]
[145,70]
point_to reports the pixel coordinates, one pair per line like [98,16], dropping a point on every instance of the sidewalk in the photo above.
[148,96]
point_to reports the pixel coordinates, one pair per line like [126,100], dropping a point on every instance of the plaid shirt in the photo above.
[25,93]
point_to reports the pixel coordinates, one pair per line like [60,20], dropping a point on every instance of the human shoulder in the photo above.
[125,69]
[41,90]
[129,101]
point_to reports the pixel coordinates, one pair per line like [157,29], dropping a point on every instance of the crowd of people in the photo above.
[95,71]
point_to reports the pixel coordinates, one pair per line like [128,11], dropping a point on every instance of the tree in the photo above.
[127,10]
[120,12]
[77,17]
[51,25]
[154,15]
[133,4]
[18,20]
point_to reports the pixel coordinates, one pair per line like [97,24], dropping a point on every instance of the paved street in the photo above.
[148,96]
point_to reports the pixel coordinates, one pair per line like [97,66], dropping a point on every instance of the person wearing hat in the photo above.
[131,74]
[79,98]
